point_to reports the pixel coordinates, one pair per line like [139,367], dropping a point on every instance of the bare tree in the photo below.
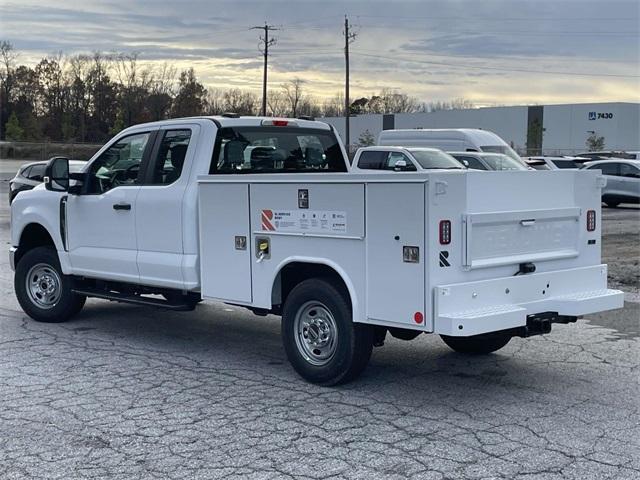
[242,103]
[277,103]
[393,102]
[161,93]
[215,101]
[333,107]
[293,92]
[455,104]
[134,82]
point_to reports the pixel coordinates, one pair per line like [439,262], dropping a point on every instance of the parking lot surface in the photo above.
[130,392]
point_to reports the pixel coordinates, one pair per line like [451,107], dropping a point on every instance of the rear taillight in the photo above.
[591,220]
[445,232]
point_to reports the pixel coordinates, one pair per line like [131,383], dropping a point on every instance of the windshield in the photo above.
[540,166]
[503,162]
[504,149]
[565,164]
[429,159]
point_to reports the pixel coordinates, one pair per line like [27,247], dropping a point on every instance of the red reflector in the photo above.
[591,220]
[280,123]
[418,317]
[445,232]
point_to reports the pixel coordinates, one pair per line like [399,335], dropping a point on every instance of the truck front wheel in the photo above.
[322,342]
[477,344]
[43,291]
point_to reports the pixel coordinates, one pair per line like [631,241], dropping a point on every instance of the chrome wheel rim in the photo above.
[44,286]
[316,333]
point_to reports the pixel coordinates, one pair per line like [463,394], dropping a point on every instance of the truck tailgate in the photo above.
[512,237]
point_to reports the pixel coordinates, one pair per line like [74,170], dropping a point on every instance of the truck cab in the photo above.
[133,219]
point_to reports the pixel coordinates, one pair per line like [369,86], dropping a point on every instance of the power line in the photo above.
[504,19]
[500,69]
[524,33]
[267,43]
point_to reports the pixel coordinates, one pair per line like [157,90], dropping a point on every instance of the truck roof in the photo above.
[244,121]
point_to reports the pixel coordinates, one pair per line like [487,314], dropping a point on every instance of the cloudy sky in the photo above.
[490,51]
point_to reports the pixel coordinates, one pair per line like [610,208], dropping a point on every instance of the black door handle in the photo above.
[122,206]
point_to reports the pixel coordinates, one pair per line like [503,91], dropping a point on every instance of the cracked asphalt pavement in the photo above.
[131,392]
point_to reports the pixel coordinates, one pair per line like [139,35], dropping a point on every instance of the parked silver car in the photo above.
[623,180]
[487,161]
[555,163]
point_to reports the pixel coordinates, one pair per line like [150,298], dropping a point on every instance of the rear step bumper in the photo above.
[474,308]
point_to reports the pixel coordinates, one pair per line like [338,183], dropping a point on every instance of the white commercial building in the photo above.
[551,129]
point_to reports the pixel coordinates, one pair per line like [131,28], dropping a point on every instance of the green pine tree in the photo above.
[366,139]
[13,131]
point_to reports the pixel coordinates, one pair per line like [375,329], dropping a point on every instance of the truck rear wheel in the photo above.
[43,291]
[322,342]
[477,344]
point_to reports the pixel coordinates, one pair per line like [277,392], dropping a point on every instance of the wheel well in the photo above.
[34,235]
[294,273]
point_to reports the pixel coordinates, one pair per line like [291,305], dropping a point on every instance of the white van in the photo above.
[449,140]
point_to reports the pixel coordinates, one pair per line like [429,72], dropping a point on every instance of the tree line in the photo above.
[90,97]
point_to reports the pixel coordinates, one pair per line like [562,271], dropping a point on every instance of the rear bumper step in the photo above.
[516,303]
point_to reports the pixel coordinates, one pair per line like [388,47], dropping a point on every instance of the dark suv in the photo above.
[32,174]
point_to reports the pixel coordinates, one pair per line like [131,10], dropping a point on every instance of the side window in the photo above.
[629,171]
[26,171]
[167,166]
[275,149]
[471,162]
[119,165]
[37,172]
[395,157]
[372,160]
[608,168]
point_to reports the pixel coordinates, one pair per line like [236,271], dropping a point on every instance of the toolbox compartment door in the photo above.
[225,256]
[512,237]
[395,219]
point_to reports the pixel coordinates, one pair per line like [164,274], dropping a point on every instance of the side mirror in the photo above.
[56,175]
[400,165]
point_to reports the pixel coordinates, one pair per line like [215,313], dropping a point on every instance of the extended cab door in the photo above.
[161,205]
[101,221]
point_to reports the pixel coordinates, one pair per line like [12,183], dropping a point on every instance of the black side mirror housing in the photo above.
[56,174]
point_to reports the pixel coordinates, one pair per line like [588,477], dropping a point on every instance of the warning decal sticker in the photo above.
[309,221]
[267,217]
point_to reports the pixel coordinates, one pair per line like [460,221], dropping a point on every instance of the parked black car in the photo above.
[32,174]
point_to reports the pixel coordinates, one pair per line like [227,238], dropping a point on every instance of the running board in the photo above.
[134,299]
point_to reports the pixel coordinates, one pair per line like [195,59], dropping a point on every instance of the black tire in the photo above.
[477,344]
[352,343]
[67,303]
[612,204]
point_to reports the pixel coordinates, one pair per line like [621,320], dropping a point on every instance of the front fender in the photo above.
[41,207]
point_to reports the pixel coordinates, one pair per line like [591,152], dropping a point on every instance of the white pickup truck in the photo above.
[263,213]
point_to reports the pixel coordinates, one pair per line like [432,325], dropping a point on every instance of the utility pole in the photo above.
[348,39]
[266,44]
